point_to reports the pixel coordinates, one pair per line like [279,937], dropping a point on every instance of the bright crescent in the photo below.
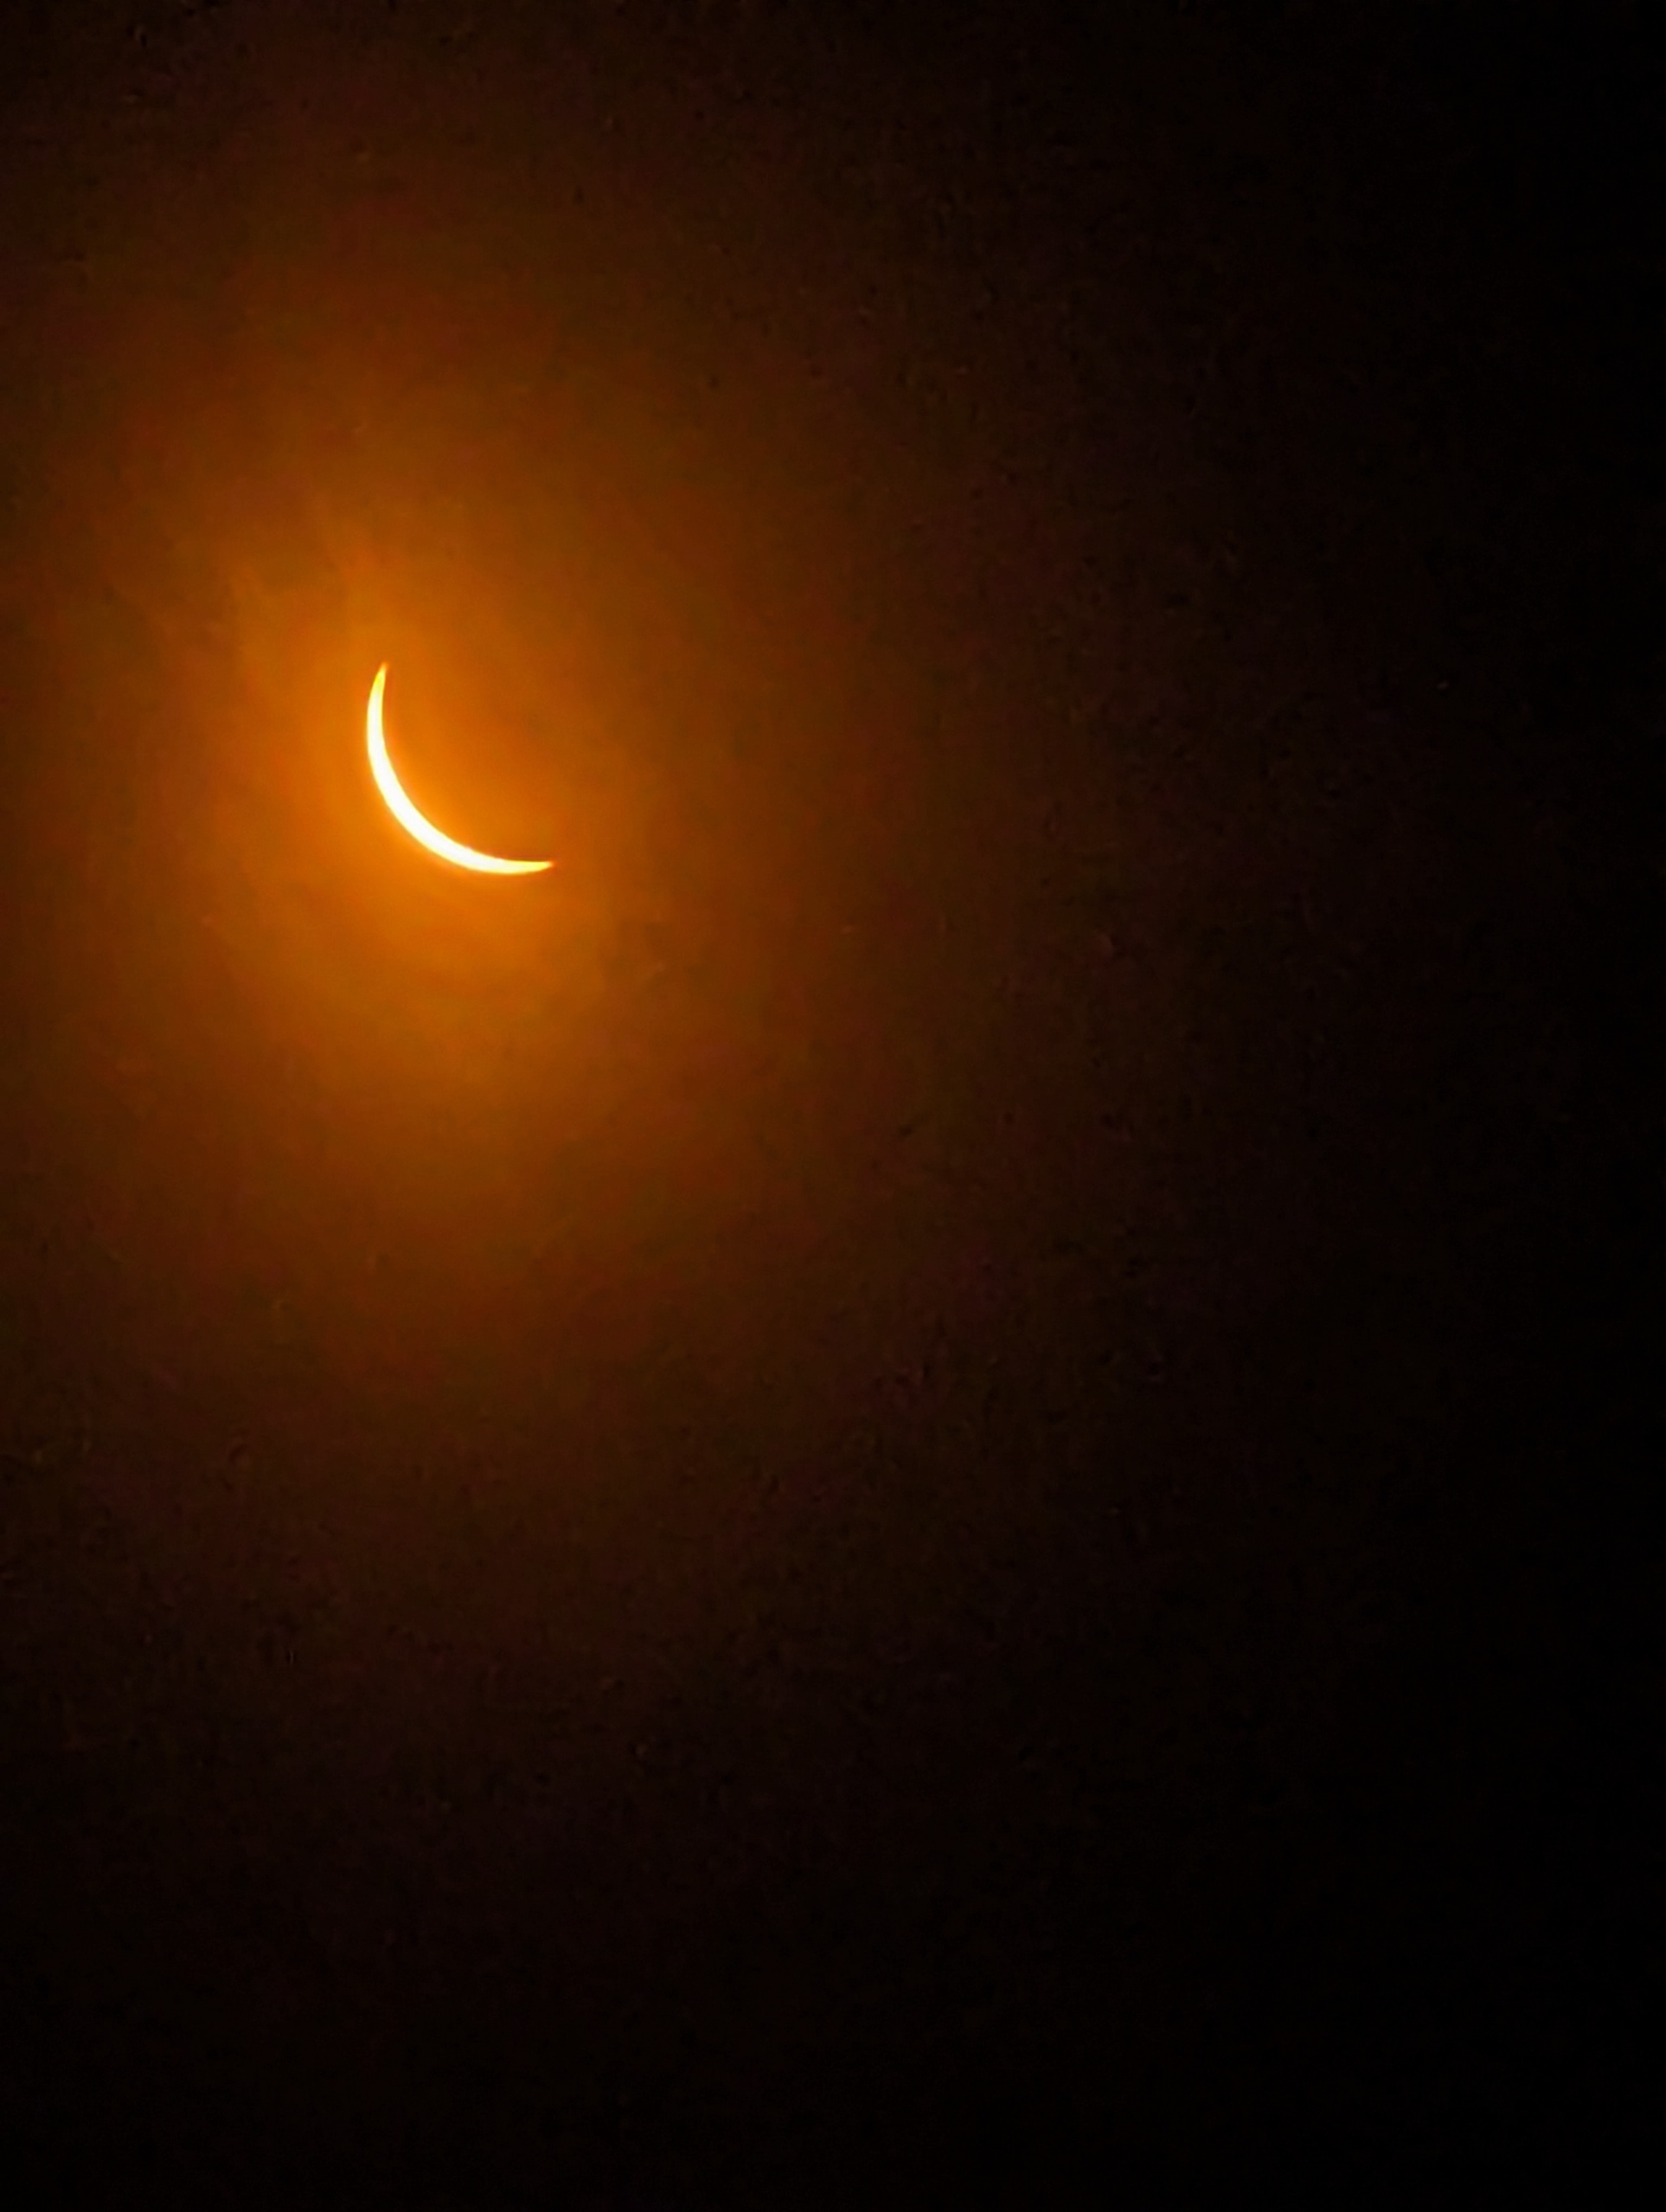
[407,815]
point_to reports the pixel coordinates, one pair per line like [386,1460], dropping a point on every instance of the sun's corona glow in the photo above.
[410,818]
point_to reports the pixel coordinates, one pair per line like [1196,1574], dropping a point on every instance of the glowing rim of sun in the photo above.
[410,818]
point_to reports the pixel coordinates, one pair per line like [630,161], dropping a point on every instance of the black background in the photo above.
[927,1477]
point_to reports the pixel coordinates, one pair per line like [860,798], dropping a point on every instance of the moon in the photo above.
[408,817]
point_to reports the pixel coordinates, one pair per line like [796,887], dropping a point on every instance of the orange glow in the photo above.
[407,817]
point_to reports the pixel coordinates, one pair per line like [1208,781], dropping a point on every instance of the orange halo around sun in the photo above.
[407,815]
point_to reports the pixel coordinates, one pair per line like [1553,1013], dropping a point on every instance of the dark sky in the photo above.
[915,1480]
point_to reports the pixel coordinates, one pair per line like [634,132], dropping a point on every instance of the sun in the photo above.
[411,819]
